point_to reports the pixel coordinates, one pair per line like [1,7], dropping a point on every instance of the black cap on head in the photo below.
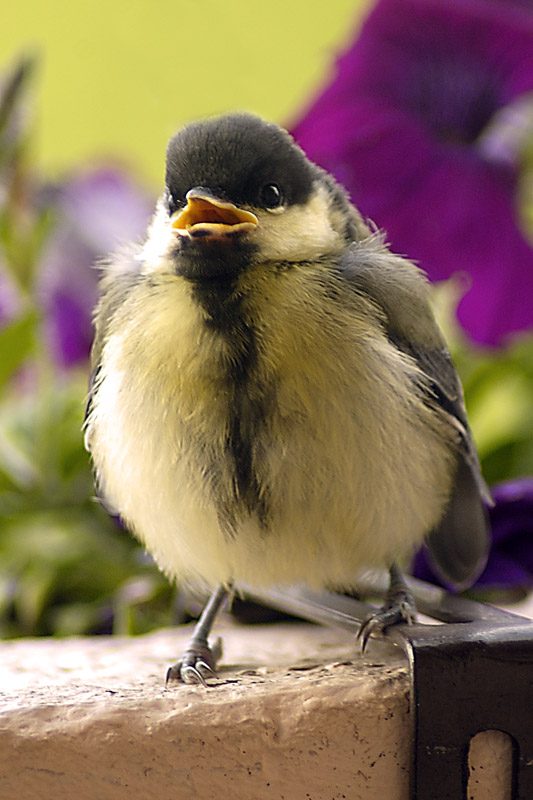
[236,156]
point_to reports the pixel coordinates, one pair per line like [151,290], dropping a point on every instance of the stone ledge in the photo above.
[296,714]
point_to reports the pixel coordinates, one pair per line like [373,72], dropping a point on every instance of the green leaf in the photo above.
[14,88]
[16,342]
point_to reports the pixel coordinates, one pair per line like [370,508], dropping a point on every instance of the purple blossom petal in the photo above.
[97,212]
[107,208]
[399,127]
[510,564]
[69,330]
[67,292]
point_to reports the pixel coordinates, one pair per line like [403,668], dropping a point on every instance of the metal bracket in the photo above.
[472,674]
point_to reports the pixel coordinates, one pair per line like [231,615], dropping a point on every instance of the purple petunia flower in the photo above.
[510,564]
[410,124]
[97,211]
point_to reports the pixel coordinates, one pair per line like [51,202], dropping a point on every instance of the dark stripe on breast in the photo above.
[247,402]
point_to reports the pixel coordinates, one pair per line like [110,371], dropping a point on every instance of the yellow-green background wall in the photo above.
[117,78]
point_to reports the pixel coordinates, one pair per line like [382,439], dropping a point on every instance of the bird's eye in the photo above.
[270,196]
[172,203]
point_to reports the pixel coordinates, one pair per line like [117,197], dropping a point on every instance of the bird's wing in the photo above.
[114,288]
[459,544]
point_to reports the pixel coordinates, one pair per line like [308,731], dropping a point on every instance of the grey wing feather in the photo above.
[459,544]
[115,286]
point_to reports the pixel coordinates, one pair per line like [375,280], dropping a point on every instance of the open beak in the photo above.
[207,216]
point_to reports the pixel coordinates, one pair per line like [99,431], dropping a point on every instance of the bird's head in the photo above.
[238,191]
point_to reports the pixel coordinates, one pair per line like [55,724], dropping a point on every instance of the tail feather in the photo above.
[459,544]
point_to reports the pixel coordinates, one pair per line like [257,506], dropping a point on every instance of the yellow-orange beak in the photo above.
[207,216]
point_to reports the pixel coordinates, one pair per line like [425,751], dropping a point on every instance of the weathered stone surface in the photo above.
[296,714]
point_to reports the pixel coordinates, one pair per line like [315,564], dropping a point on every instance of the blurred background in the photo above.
[117,79]
[422,108]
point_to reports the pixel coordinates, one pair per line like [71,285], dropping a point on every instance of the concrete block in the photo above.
[296,714]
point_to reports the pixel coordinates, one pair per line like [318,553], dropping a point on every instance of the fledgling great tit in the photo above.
[271,400]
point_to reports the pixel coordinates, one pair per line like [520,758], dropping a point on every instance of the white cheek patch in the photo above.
[299,233]
[160,239]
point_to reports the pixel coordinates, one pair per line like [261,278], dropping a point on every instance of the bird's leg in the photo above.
[399,606]
[199,660]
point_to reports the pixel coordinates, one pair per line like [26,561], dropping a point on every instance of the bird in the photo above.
[271,400]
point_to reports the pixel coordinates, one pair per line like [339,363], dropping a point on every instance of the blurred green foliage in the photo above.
[499,391]
[66,567]
[498,388]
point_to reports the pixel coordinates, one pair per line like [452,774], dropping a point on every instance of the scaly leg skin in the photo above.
[199,660]
[399,606]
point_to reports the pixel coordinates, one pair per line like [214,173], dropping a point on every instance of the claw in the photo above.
[199,660]
[197,664]
[190,673]
[399,607]
[365,631]
[386,616]
[193,675]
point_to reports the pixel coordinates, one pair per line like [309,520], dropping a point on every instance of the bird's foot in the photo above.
[399,606]
[197,664]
